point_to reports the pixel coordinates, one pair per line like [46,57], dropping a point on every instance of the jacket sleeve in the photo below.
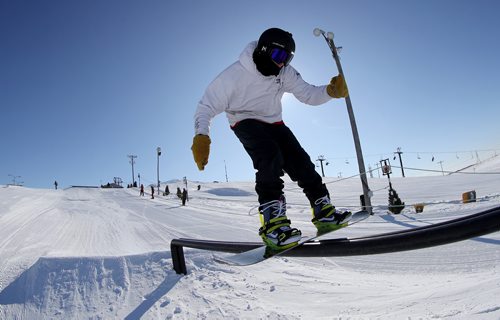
[213,102]
[303,91]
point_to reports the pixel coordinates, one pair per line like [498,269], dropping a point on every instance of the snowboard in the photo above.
[264,252]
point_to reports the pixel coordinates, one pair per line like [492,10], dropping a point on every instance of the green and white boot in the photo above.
[325,216]
[276,231]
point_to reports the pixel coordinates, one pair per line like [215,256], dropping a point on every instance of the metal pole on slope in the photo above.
[361,164]
[158,153]
[225,169]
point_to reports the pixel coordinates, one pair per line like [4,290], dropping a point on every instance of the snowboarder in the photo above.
[250,92]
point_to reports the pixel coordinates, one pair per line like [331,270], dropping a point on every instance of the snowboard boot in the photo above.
[326,218]
[276,231]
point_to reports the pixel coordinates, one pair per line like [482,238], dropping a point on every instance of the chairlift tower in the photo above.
[321,159]
[132,162]
[15,180]
[399,153]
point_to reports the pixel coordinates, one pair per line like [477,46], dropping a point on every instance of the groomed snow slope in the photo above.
[104,254]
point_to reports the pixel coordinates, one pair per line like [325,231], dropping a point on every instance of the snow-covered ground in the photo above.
[104,254]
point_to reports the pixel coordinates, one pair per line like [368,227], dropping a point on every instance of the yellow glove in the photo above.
[337,87]
[201,150]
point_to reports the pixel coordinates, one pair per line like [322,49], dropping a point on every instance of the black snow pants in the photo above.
[275,150]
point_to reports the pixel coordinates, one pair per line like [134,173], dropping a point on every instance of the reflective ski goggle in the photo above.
[280,55]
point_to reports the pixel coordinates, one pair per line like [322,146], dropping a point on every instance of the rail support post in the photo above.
[178,261]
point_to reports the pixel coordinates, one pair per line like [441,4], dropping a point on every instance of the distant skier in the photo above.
[250,92]
[142,190]
[184,196]
[152,192]
[55,184]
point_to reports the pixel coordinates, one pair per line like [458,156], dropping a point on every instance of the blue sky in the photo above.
[83,84]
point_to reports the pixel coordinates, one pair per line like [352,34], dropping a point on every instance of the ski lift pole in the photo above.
[359,153]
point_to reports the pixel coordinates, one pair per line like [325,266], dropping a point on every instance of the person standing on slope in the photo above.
[249,91]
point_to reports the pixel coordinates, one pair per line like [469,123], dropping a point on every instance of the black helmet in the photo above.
[275,46]
[275,38]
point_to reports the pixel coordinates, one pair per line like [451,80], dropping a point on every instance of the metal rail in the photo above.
[463,228]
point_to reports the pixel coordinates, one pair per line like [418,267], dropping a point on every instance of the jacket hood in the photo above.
[246,58]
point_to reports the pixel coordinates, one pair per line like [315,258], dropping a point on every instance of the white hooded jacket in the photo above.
[244,93]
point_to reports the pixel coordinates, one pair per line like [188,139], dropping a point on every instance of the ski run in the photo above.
[88,253]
